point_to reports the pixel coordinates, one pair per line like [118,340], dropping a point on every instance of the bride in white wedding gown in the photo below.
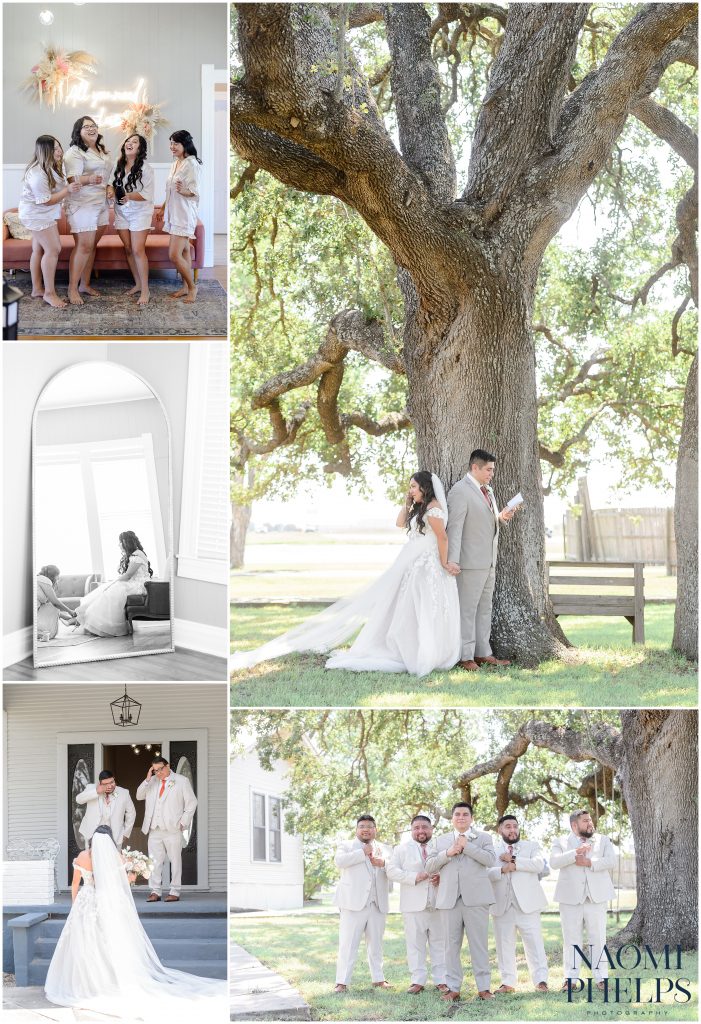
[104,960]
[101,612]
[411,613]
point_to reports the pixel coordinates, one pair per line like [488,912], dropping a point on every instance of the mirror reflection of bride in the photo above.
[101,612]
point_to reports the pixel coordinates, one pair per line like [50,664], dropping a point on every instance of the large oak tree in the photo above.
[467,263]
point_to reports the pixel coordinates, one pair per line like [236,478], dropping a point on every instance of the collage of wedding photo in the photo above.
[350,511]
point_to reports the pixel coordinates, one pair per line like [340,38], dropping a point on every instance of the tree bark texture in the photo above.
[686,512]
[240,519]
[467,265]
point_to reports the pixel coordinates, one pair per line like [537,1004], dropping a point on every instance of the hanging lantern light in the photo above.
[126,710]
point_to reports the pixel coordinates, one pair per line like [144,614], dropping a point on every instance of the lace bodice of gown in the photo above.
[428,536]
[141,574]
[88,876]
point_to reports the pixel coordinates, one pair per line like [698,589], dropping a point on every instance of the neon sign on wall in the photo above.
[94,100]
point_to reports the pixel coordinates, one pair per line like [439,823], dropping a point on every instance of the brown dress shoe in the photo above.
[491,660]
[468,666]
[341,988]
[414,990]
[172,899]
[564,986]
[503,989]
[601,984]
[442,988]
[541,987]
[381,984]
[486,994]
[153,898]
[450,997]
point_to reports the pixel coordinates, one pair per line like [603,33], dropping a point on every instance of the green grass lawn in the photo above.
[604,670]
[302,948]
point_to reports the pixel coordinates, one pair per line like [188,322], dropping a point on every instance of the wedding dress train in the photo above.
[101,612]
[410,616]
[104,960]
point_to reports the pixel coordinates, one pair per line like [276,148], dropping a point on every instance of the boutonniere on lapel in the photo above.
[471,834]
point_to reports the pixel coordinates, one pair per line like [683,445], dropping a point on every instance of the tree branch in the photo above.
[245,178]
[423,134]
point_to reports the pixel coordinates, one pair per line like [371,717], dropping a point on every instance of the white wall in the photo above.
[27,368]
[36,713]
[256,885]
[166,44]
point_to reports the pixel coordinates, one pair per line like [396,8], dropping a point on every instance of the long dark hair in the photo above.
[130,543]
[104,830]
[185,139]
[135,173]
[44,158]
[76,139]
[418,509]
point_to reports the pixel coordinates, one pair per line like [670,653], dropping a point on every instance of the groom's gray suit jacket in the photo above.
[473,527]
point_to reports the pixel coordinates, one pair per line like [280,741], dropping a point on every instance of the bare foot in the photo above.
[191,295]
[134,290]
[181,293]
[37,295]
[74,298]
[143,299]
[53,300]
[87,289]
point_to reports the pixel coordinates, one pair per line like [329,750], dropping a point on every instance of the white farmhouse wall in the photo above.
[257,885]
[37,713]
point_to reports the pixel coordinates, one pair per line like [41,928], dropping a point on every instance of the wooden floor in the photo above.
[155,637]
[182,665]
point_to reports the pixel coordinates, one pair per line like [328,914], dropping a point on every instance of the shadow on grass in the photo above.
[608,672]
[303,950]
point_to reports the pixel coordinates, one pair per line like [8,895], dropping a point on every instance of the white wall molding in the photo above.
[198,636]
[16,646]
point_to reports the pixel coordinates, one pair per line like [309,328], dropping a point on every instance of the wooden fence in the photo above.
[620,535]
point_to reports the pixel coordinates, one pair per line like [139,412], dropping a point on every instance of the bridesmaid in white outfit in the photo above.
[133,186]
[43,190]
[180,209]
[88,162]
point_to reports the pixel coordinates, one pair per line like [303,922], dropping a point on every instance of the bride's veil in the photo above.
[439,491]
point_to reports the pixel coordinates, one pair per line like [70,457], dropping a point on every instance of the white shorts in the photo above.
[38,221]
[179,230]
[135,220]
[87,218]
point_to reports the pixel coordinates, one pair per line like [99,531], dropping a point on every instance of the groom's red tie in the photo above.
[163,786]
[485,492]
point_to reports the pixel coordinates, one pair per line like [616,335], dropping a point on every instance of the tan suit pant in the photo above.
[421,927]
[475,591]
[574,918]
[474,923]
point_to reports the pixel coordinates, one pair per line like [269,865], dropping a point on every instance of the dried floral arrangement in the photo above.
[56,72]
[142,119]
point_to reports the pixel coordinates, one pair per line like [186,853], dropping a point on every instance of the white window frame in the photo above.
[190,565]
[83,454]
[267,797]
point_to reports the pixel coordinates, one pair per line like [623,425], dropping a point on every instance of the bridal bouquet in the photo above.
[137,863]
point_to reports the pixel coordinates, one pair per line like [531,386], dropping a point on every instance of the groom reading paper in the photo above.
[473,536]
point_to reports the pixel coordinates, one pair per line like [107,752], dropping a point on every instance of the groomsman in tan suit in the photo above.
[465,893]
[519,901]
[417,903]
[362,896]
[473,537]
[584,887]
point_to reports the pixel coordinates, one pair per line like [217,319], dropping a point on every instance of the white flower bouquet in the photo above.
[136,862]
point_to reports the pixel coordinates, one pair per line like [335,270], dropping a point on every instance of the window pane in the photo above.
[61,528]
[275,813]
[123,503]
[258,843]
[275,846]
[259,809]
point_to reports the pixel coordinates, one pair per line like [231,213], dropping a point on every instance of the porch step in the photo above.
[38,968]
[166,948]
[168,927]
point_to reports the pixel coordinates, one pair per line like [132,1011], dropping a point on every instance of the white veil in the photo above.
[143,987]
[341,620]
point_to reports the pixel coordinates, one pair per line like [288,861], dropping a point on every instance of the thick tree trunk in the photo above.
[686,510]
[472,385]
[659,776]
[240,518]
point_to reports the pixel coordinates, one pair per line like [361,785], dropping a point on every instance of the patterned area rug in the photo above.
[115,314]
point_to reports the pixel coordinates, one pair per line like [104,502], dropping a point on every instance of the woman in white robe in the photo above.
[181,208]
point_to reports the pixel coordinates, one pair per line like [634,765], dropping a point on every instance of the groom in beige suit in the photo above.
[473,536]
[170,808]
[465,894]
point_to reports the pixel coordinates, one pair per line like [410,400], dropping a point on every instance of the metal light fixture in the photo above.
[10,310]
[126,710]
[46,17]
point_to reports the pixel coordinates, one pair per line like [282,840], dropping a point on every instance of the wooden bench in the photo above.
[599,602]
